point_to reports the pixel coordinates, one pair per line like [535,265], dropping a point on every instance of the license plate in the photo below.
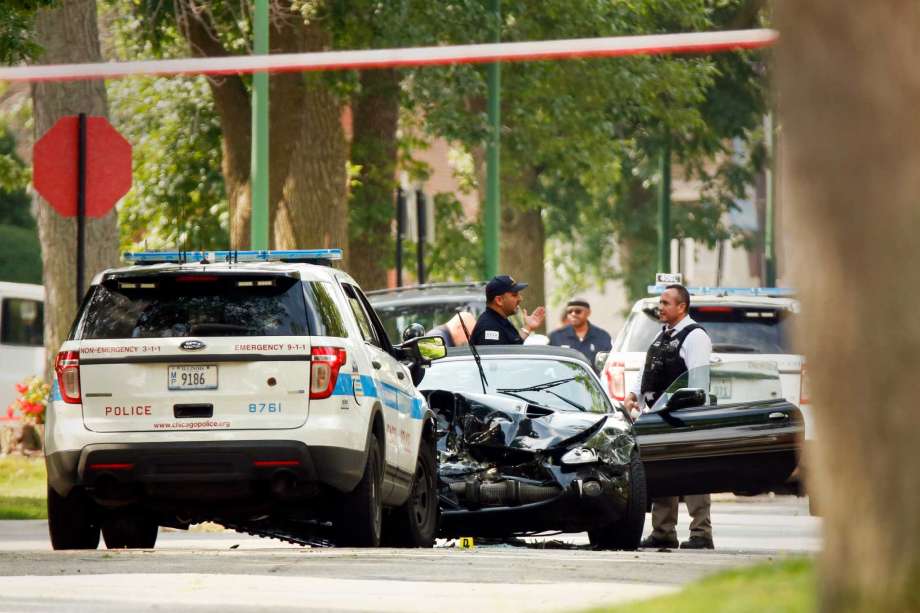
[722,388]
[197,377]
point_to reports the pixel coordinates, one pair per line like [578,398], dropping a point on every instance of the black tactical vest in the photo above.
[663,364]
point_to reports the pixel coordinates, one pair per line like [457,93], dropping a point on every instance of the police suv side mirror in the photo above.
[686,397]
[599,360]
[424,349]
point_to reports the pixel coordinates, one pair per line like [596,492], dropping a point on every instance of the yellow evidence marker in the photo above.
[466,542]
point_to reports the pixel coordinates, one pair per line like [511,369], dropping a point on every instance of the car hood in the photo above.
[492,421]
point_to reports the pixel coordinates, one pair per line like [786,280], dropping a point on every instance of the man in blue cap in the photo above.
[503,300]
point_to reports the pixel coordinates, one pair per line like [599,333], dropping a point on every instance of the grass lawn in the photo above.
[22,488]
[783,586]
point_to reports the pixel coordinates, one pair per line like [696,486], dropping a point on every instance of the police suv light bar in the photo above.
[189,257]
[772,292]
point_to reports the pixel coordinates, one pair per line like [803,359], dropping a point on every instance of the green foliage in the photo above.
[457,253]
[580,137]
[178,198]
[16,21]
[786,586]
[21,255]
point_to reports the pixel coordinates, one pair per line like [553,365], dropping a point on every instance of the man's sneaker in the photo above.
[698,542]
[653,542]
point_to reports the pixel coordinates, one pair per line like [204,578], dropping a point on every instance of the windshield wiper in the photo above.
[525,399]
[538,387]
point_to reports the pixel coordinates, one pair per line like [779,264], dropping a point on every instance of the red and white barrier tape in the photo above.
[700,42]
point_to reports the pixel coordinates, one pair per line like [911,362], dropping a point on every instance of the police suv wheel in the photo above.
[626,532]
[130,532]
[415,524]
[72,520]
[362,513]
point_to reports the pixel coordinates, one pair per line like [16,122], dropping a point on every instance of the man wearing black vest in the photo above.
[681,350]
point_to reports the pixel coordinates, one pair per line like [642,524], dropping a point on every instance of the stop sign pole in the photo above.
[81,203]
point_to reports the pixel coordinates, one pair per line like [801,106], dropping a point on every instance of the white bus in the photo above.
[22,344]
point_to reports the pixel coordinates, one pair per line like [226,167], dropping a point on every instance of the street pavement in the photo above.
[207,570]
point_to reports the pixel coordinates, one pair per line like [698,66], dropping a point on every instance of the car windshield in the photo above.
[729,383]
[398,317]
[557,384]
[733,329]
[194,305]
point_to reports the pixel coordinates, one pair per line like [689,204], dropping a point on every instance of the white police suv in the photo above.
[256,389]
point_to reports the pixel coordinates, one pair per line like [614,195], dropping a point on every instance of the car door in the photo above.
[384,371]
[744,439]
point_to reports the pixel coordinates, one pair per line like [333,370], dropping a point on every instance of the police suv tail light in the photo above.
[67,368]
[325,363]
[616,380]
[804,397]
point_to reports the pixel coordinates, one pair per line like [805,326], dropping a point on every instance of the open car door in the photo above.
[732,431]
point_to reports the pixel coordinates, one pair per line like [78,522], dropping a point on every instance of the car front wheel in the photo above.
[626,532]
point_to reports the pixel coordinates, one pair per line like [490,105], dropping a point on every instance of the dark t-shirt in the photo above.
[595,340]
[494,329]
[444,333]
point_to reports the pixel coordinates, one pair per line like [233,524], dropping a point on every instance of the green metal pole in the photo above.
[769,253]
[492,215]
[259,172]
[664,207]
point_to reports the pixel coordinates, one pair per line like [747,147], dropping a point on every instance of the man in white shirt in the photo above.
[678,357]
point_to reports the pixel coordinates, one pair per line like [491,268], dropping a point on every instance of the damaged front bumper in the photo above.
[512,468]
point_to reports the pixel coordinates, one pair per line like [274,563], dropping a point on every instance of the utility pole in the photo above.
[664,206]
[259,168]
[769,253]
[492,216]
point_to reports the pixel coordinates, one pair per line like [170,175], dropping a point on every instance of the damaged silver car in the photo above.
[528,443]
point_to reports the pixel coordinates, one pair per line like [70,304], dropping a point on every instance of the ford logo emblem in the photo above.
[192,345]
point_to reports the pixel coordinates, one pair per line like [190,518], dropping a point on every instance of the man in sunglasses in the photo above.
[581,334]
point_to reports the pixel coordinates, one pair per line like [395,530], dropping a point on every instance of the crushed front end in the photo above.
[508,467]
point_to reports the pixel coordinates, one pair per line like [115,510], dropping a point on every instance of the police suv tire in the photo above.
[73,521]
[626,532]
[415,524]
[130,531]
[361,522]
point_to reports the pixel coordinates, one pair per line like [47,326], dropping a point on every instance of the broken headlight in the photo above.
[579,455]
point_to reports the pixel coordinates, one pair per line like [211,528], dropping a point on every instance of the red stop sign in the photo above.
[108,166]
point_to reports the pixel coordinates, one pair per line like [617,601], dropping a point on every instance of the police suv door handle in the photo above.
[777,416]
[376,364]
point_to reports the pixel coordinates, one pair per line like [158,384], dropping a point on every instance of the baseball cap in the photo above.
[501,284]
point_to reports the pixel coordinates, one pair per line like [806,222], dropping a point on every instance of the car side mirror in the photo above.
[686,397]
[599,360]
[424,349]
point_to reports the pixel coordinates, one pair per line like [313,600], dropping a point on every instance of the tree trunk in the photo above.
[307,174]
[373,148]
[522,252]
[68,33]
[851,128]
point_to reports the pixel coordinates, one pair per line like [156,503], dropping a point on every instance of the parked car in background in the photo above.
[22,336]
[429,305]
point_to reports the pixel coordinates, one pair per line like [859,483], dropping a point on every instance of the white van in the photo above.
[22,338]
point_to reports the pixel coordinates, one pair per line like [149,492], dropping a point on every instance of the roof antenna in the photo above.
[466,333]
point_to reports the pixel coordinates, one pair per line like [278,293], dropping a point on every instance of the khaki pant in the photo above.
[664,516]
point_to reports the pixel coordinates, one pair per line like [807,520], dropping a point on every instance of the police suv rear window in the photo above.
[733,329]
[160,306]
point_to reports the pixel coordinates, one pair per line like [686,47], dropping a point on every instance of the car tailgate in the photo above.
[228,384]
